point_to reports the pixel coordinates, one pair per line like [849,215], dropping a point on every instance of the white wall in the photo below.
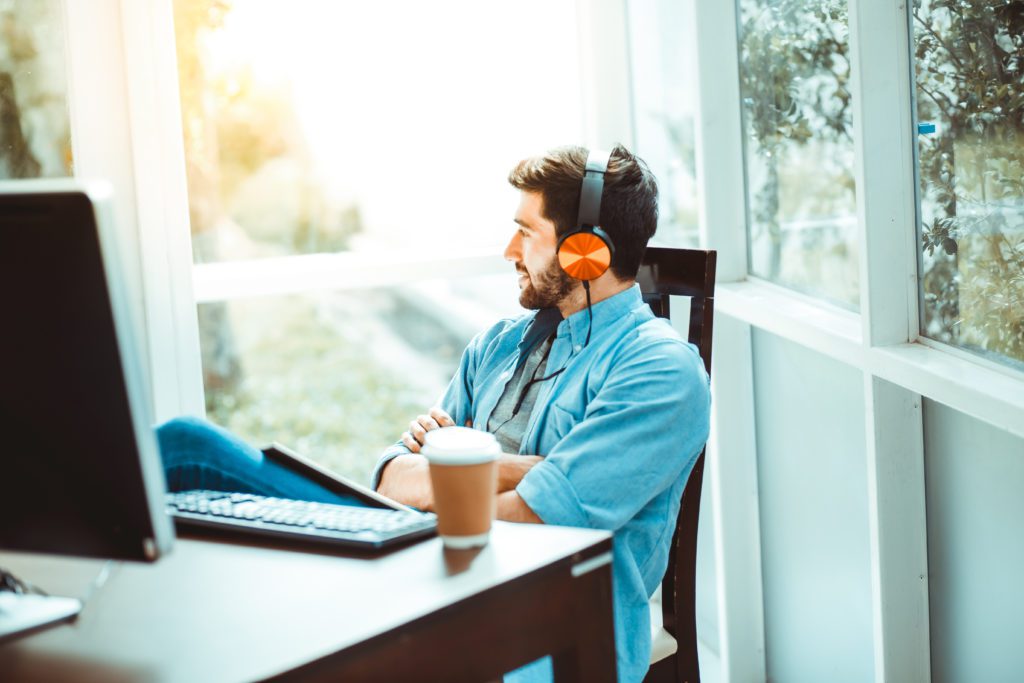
[707,605]
[814,514]
[974,475]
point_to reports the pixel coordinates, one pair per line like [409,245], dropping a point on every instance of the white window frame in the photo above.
[125,123]
[882,341]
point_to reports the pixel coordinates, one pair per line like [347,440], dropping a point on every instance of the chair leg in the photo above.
[662,671]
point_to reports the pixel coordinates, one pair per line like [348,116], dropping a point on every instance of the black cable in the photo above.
[534,379]
[590,311]
[590,327]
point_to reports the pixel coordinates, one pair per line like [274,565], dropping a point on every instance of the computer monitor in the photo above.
[80,471]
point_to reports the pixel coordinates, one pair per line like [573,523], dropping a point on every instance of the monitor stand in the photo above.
[24,613]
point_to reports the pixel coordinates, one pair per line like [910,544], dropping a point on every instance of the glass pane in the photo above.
[317,126]
[338,376]
[663,67]
[797,118]
[35,129]
[969,68]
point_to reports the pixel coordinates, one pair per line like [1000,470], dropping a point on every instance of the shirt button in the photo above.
[577,347]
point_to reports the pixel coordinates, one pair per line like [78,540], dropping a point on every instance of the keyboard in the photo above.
[297,520]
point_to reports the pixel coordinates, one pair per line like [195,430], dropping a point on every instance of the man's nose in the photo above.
[513,251]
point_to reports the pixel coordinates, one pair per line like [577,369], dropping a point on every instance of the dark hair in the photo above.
[629,204]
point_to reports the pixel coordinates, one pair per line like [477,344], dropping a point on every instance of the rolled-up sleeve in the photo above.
[642,430]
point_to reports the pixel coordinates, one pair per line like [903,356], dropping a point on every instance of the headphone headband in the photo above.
[593,188]
[585,252]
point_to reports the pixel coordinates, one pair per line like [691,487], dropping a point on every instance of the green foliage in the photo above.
[796,71]
[794,84]
[969,68]
[969,77]
[35,129]
[251,179]
[313,387]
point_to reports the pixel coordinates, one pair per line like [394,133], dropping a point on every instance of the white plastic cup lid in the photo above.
[460,446]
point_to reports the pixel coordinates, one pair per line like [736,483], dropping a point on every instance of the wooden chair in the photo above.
[691,273]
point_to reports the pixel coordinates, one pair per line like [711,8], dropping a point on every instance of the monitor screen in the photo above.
[79,467]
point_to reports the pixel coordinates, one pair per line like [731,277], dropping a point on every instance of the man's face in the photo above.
[542,282]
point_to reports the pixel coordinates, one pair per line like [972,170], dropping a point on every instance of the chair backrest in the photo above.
[691,273]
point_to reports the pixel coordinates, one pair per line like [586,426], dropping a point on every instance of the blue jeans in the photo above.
[200,455]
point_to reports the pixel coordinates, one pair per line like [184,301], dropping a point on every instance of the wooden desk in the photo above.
[215,611]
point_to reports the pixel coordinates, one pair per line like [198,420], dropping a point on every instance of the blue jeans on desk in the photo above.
[200,455]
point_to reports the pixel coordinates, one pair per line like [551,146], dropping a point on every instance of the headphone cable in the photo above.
[534,380]
[590,311]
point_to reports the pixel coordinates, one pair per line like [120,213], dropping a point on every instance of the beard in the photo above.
[546,288]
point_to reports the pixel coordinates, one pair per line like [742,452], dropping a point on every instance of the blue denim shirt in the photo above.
[620,429]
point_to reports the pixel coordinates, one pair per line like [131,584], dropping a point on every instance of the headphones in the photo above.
[586,251]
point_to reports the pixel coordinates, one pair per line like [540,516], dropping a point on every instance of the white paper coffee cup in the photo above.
[464,477]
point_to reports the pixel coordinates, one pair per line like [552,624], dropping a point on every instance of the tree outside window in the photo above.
[969,77]
[794,83]
[35,129]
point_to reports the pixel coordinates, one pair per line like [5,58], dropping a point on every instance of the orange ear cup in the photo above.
[584,256]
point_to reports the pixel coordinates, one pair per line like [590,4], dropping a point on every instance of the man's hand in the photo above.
[407,480]
[407,477]
[418,428]
[512,469]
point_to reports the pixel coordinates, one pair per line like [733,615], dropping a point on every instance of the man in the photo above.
[601,410]
[606,409]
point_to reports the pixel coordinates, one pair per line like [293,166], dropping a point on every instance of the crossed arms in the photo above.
[407,477]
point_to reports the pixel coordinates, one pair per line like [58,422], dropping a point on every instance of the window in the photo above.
[322,138]
[341,373]
[35,135]
[663,69]
[969,74]
[794,83]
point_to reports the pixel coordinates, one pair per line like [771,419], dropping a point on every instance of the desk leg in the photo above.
[592,659]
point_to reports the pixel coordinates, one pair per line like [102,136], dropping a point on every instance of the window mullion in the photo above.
[733,446]
[162,201]
[883,139]
[719,144]
[897,523]
[227,280]
[100,142]
[605,79]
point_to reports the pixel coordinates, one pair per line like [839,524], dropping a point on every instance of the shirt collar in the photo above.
[548,320]
[604,312]
[544,324]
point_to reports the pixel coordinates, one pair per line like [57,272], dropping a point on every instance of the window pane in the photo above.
[338,376]
[794,84]
[969,59]
[317,126]
[663,67]
[35,130]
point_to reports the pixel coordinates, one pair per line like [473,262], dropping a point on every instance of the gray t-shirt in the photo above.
[507,428]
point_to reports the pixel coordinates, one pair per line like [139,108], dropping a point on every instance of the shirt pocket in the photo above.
[558,424]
